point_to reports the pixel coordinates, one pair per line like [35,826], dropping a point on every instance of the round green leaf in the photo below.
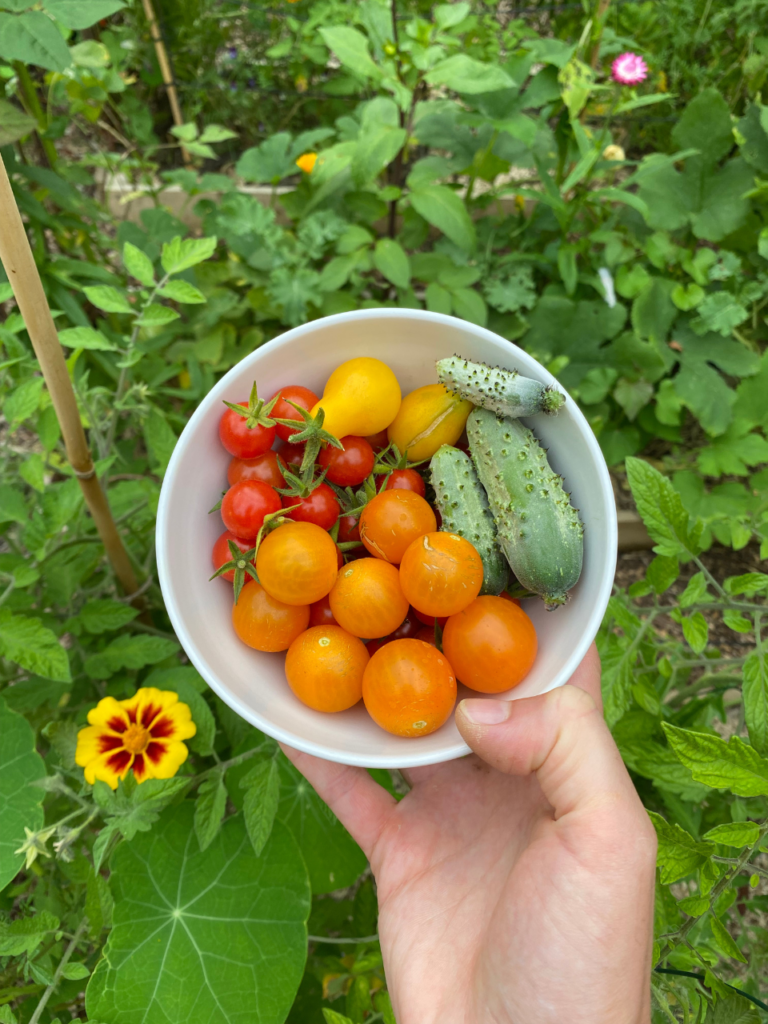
[20,802]
[217,935]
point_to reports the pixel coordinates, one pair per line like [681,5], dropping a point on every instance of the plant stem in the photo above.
[32,100]
[59,971]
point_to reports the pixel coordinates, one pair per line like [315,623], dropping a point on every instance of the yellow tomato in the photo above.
[362,397]
[428,418]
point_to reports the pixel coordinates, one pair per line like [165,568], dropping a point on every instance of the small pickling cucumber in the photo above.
[463,505]
[502,391]
[538,529]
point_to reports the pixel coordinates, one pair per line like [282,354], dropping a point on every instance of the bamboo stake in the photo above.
[16,257]
[165,70]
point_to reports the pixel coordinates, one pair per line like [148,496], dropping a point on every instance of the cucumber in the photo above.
[463,504]
[504,392]
[538,529]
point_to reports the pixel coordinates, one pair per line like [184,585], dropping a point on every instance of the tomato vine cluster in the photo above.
[339,559]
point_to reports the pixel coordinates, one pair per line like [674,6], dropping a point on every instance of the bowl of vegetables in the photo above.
[400,509]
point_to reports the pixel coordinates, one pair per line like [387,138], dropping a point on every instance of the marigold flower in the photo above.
[629,69]
[611,152]
[142,734]
[306,162]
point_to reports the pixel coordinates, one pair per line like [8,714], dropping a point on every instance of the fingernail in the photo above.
[486,712]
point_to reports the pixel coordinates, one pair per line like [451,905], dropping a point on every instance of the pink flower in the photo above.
[629,69]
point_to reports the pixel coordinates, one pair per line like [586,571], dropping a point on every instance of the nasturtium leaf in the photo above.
[735,833]
[705,125]
[734,765]
[217,935]
[20,765]
[679,854]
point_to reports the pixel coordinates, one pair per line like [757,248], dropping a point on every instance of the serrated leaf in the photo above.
[679,854]
[138,264]
[725,941]
[75,971]
[734,765]
[178,255]
[25,934]
[23,401]
[469,305]
[391,260]
[132,652]
[86,338]
[157,315]
[216,935]
[105,615]
[33,646]
[695,591]
[20,765]
[217,133]
[755,697]
[662,510]
[109,299]
[734,620]
[209,809]
[735,833]
[159,438]
[262,793]
[696,631]
[182,291]
[134,807]
[662,573]
[441,207]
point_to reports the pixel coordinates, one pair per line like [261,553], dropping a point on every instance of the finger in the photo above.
[587,676]
[360,804]
[562,738]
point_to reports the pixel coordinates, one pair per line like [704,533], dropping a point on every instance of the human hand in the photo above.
[514,887]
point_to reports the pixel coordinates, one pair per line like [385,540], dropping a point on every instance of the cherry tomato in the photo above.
[374,645]
[296,563]
[379,440]
[491,644]
[320,613]
[264,623]
[441,573]
[300,396]
[321,507]
[241,440]
[291,454]
[366,599]
[508,597]
[392,520]
[405,480]
[339,557]
[410,626]
[264,467]
[427,635]
[429,620]
[244,506]
[349,529]
[349,467]
[324,667]
[428,418]
[409,688]
[222,554]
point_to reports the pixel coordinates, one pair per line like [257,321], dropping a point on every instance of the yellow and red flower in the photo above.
[142,734]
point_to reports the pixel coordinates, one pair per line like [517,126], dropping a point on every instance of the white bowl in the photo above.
[253,684]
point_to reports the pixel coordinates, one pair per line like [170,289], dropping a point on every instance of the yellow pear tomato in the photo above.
[362,397]
[428,418]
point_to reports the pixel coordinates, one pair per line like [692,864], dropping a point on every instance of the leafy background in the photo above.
[463,166]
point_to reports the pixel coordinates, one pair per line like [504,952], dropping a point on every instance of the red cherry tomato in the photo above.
[241,440]
[378,441]
[244,506]
[222,554]
[339,556]
[349,529]
[300,396]
[264,467]
[428,620]
[410,626]
[349,467]
[320,613]
[291,454]
[405,480]
[321,507]
[427,635]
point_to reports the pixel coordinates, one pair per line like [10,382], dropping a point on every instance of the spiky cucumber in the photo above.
[538,529]
[463,505]
[504,392]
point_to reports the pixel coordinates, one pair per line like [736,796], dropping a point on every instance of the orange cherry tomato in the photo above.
[441,573]
[320,613]
[324,667]
[296,563]
[491,644]
[264,467]
[392,520]
[409,688]
[366,599]
[265,623]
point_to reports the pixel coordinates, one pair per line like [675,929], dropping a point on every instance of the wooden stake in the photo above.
[16,257]
[165,71]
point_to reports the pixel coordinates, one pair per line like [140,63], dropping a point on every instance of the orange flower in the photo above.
[142,734]
[306,162]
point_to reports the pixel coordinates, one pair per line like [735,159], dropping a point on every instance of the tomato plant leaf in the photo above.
[209,809]
[734,765]
[679,854]
[262,793]
[138,264]
[755,697]
[33,646]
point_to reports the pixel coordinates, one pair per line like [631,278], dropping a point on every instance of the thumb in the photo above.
[560,737]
